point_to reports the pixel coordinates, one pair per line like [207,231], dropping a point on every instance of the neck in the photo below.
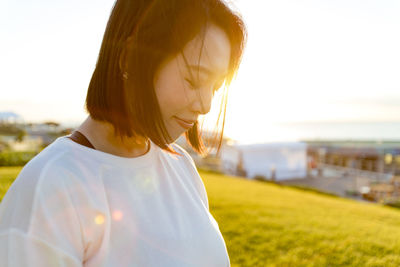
[102,136]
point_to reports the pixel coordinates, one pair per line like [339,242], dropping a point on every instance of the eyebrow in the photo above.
[206,70]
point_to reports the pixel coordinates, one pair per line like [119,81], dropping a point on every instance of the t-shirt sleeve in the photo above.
[39,225]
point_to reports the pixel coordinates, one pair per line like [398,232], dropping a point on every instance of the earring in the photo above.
[125,75]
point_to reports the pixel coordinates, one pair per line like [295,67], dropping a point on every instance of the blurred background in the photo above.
[315,106]
[319,82]
[311,69]
[324,73]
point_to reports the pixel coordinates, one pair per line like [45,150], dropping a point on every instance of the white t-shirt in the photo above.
[75,206]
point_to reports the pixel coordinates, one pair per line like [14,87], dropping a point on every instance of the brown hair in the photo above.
[152,31]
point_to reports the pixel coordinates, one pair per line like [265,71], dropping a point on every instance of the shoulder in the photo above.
[51,181]
[53,169]
[185,159]
[41,202]
[196,178]
[42,187]
[185,155]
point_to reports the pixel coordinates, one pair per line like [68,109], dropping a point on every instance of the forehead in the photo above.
[211,52]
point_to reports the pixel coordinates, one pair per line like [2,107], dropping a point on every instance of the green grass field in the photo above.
[265,224]
[7,176]
[270,225]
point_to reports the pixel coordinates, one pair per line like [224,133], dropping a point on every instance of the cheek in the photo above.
[172,96]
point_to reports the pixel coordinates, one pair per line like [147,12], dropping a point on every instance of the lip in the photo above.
[183,123]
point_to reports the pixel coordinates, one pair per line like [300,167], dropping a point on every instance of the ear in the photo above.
[124,55]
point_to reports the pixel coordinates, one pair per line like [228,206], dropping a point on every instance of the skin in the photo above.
[179,93]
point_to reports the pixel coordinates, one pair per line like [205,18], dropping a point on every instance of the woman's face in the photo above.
[184,96]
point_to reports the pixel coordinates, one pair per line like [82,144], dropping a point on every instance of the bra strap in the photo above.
[79,138]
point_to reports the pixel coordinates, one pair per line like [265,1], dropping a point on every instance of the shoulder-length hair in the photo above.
[152,31]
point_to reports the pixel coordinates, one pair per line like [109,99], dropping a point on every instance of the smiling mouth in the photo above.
[184,124]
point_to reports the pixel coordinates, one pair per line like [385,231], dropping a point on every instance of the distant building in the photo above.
[274,161]
[10,117]
[47,131]
[43,127]
[385,192]
[382,157]
[29,136]
[30,143]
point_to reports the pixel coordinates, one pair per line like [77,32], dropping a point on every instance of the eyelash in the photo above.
[192,85]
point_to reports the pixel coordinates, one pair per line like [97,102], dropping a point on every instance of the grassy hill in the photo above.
[265,224]
[7,176]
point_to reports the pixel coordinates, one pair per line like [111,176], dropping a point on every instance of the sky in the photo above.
[305,61]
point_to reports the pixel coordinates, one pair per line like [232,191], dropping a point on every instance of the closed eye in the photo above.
[217,85]
[191,84]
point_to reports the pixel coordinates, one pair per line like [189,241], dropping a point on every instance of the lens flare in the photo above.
[99,219]
[117,215]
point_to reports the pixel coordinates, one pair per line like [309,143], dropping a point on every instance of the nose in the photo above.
[202,100]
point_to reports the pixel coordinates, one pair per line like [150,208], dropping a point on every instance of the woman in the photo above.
[118,191]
